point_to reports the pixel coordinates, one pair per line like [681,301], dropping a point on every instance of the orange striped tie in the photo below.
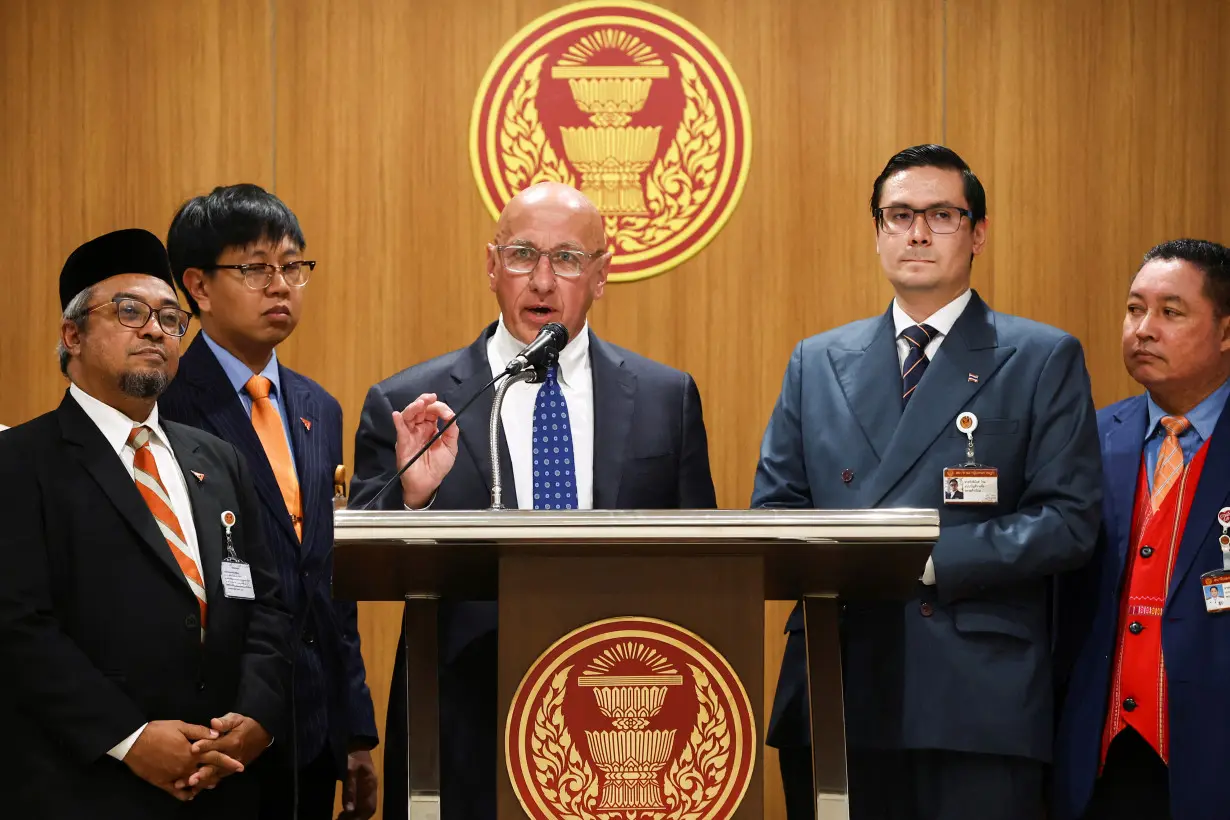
[1169,459]
[272,434]
[149,484]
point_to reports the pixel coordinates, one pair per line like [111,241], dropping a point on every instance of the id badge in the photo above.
[971,482]
[237,580]
[1215,587]
[236,574]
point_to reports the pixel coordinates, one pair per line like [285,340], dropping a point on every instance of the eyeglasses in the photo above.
[940,219]
[135,313]
[258,276]
[564,262]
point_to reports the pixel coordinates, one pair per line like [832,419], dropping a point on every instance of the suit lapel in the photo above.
[206,514]
[870,380]
[1125,441]
[302,413]
[614,399]
[1212,493]
[945,390]
[102,463]
[221,407]
[470,375]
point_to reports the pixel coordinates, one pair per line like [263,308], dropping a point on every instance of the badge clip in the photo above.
[228,521]
[971,482]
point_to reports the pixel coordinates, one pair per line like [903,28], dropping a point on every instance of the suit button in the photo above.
[191,622]
[303,574]
[926,610]
[200,686]
[309,638]
[1136,627]
[1129,705]
[1145,552]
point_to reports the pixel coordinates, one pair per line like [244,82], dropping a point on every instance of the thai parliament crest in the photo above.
[630,719]
[631,104]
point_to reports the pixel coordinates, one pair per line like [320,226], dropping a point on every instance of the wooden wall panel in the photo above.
[114,112]
[379,173]
[1100,130]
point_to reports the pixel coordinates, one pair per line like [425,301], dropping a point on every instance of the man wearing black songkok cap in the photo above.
[142,636]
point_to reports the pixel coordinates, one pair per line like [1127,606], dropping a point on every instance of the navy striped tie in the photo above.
[916,337]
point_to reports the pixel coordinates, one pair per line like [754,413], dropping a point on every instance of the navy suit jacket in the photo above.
[328,665]
[972,671]
[1195,644]
[650,452]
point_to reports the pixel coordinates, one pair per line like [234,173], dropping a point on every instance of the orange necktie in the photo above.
[1169,459]
[149,484]
[272,434]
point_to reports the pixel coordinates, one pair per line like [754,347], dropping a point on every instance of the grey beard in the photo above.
[144,384]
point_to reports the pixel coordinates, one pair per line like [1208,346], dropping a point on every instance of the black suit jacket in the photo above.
[333,703]
[99,630]
[650,452]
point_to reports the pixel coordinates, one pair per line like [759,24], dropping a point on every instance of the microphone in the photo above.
[553,337]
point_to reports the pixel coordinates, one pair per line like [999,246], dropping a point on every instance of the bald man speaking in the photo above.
[632,437]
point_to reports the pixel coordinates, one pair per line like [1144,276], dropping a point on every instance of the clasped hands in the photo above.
[183,759]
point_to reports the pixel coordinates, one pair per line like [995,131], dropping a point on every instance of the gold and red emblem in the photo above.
[633,105]
[630,719]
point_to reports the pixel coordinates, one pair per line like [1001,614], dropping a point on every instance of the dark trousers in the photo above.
[317,788]
[923,785]
[1134,782]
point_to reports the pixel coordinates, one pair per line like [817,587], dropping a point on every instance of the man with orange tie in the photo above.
[142,640]
[237,255]
[1148,651]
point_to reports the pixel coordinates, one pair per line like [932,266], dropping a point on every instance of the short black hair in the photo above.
[1210,257]
[933,156]
[230,216]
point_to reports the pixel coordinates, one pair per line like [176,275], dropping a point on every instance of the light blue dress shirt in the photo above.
[1203,418]
[238,373]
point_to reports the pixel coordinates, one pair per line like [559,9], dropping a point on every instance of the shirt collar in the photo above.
[1203,417]
[573,359]
[942,320]
[238,373]
[114,425]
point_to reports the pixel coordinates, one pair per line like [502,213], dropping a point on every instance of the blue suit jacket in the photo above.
[329,672]
[975,675]
[1195,644]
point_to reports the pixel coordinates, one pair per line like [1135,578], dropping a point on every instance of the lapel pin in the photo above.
[973,378]
[847,476]
[200,477]
[307,425]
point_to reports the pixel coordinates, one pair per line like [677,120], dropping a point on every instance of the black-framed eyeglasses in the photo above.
[940,219]
[564,261]
[135,313]
[258,276]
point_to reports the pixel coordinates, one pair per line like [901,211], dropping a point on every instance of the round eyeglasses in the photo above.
[135,313]
[258,276]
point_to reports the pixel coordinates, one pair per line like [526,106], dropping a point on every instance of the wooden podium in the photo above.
[709,572]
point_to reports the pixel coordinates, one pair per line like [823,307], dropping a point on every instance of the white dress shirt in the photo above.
[576,380]
[116,427]
[941,321]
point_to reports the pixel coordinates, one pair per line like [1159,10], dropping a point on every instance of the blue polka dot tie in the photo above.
[555,472]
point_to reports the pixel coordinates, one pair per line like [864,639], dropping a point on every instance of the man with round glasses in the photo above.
[133,678]
[632,437]
[237,254]
[949,709]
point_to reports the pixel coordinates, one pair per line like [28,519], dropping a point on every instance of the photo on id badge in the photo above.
[970,482]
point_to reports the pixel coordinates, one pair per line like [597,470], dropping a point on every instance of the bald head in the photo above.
[559,222]
[553,203]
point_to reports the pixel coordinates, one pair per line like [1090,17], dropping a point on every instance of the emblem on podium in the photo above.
[630,719]
[631,104]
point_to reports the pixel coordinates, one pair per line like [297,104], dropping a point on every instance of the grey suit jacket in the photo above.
[966,665]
